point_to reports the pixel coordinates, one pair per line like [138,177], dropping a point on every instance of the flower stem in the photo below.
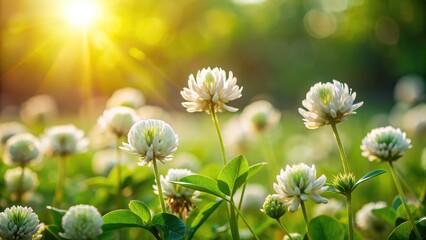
[341,149]
[219,134]
[284,229]
[160,190]
[19,192]
[402,196]
[350,220]
[305,216]
[62,169]
[245,221]
[118,166]
[233,221]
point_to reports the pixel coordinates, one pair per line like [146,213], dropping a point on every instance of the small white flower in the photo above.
[126,97]
[297,183]
[22,149]
[371,226]
[259,116]
[39,109]
[211,90]
[64,140]
[118,120]
[179,199]
[328,103]
[151,140]
[12,178]
[9,129]
[385,144]
[81,222]
[19,222]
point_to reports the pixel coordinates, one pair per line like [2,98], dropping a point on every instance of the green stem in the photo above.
[350,220]
[62,169]
[341,149]
[242,195]
[305,216]
[245,221]
[19,192]
[401,177]
[219,134]
[284,229]
[160,190]
[402,196]
[233,221]
[118,166]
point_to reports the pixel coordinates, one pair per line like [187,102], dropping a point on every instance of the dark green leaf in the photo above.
[140,209]
[172,227]
[233,175]
[396,203]
[57,215]
[369,175]
[401,213]
[404,231]
[121,218]
[202,216]
[253,169]
[200,183]
[325,227]
[387,214]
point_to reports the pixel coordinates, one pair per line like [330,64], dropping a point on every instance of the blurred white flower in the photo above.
[39,109]
[371,226]
[126,97]
[101,139]
[81,222]
[118,120]
[410,89]
[259,116]
[9,129]
[152,112]
[179,199]
[12,178]
[328,103]
[211,90]
[385,144]
[414,120]
[186,160]
[236,138]
[254,196]
[333,207]
[297,183]
[19,222]
[151,140]
[64,140]
[22,148]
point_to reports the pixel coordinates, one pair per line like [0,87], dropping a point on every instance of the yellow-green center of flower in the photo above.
[325,95]
[298,175]
[209,78]
[149,136]
[259,120]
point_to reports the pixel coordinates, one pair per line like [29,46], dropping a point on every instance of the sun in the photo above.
[82,14]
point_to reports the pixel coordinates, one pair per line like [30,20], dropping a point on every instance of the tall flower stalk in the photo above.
[62,171]
[306,218]
[388,144]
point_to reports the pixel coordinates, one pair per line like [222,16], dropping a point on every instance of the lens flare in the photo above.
[82,14]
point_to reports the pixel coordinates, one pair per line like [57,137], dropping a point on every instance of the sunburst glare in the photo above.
[82,14]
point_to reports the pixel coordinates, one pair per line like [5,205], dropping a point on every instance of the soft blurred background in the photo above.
[76,54]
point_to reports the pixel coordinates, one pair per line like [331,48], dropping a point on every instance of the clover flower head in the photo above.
[328,103]
[9,129]
[64,140]
[210,91]
[22,148]
[273,208]
[39,109]
[179,199]
[152,140]
[297,183]
[81,222]
[12,178]
[126,97]
[259,116]
[385,144]
[370,225]
[118,120]
[344,183]
[19,222]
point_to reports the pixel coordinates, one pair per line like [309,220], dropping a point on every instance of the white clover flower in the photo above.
[371,226]
[39,109]
[152,140]
[126,97]
[328,103]
[385,144]
[22,149]
[118,120]
[81,222]
[211,90]
[64,140]
[19,222]
[9,129]
[410,89]
[12,178]
[259,116]
[179,199]
[297,183]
